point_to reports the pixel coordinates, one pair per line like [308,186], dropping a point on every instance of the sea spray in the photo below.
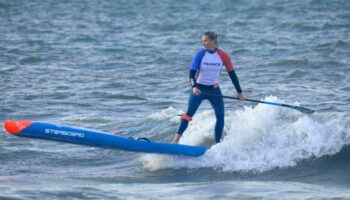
[258,139]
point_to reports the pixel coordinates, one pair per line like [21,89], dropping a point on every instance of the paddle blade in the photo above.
[301,109]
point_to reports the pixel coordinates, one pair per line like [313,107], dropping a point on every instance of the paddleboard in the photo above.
[82,136]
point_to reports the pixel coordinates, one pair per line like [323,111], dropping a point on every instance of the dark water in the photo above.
[112,65]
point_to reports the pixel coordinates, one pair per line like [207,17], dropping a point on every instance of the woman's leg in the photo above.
[217,103]
[193,104]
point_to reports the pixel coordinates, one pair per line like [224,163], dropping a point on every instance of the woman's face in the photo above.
[208,43]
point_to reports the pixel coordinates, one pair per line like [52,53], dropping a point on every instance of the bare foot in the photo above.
[176,139]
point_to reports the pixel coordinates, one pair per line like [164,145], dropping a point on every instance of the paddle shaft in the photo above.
[301,109]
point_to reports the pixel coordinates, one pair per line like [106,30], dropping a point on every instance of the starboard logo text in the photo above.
[64,133]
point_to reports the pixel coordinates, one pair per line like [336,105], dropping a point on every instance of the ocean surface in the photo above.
[123,65]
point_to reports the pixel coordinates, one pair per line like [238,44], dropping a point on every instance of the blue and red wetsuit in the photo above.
[204,74]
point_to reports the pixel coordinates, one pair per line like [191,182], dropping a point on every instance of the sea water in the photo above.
[123,65]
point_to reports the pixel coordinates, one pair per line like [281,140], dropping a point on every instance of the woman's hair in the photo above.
[212,35]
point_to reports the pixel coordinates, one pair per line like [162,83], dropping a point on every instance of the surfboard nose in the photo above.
[14,127]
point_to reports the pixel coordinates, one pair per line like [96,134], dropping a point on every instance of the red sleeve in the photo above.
[226,60]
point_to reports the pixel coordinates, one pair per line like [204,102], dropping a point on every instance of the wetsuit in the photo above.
[204,74]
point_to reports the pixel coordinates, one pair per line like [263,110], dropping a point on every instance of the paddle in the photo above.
[301,109]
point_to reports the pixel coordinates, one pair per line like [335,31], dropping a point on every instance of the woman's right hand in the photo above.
[196,91]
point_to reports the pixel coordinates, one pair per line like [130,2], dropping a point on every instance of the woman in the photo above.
[204,79]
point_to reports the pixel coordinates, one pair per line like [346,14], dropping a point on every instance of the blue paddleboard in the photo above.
[70,134]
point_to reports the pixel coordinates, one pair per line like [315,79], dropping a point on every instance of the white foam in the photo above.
[167,114]
[259,138]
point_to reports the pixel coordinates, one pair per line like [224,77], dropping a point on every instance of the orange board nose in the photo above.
[14,127]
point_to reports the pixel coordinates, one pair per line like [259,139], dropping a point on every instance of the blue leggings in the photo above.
[216,102]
